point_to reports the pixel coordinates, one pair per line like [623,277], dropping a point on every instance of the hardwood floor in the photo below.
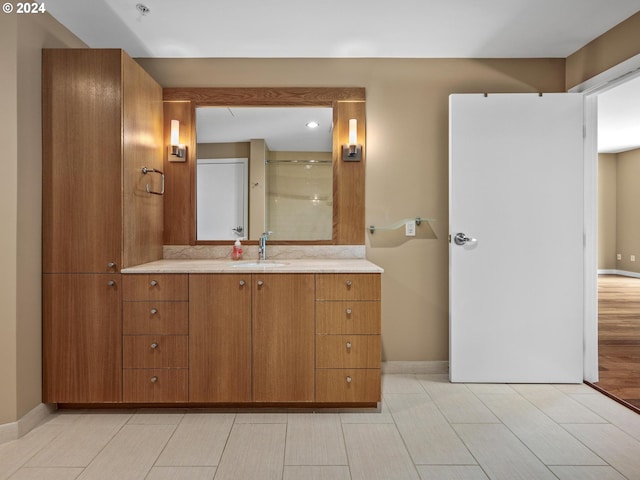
[619,336]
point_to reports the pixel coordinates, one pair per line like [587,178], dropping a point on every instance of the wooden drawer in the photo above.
[348,286]
[166,385]
[348,385]
[137,287]
[347,351]
[160,318]
[155,351]
[348,317]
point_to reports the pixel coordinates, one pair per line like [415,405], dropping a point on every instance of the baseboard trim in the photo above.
[13,431]
[8,432]
[426,367]
[623,273]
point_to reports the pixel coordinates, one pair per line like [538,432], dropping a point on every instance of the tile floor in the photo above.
[426,429]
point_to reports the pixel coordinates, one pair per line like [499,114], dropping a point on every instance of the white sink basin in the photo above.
[263,264]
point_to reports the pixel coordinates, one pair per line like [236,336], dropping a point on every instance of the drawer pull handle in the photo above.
[154,345]
[348,379]
[154,311]
[348,311]
[154,379]
[242,283]
[111,283]
[348,345]
[153,283]
[111,264]
[260,283]
[349,283]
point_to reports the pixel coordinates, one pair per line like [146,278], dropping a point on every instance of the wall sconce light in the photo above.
[353,151]
[177,151]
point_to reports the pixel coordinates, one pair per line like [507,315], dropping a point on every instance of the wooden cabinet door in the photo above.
[82,338]
[220,338]
[283,337]
[82,161]
[142,146]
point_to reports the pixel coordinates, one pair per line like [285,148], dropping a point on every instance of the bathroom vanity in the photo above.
[215,331]
[122,325]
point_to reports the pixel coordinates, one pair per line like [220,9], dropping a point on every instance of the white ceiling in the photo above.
[619,118]
[357,28]
[343,28]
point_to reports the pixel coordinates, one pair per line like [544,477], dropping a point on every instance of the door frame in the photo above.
[590,89]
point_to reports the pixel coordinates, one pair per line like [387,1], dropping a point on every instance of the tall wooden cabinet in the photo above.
[102,123]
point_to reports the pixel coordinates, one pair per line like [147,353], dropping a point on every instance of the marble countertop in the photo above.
[325,265]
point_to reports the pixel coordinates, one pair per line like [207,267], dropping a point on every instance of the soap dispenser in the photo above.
[236,254]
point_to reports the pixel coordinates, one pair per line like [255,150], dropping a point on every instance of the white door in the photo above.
[516,206]
[221,198]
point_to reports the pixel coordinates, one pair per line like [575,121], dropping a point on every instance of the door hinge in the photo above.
[449,238]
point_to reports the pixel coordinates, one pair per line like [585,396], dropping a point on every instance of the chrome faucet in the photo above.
[262,246]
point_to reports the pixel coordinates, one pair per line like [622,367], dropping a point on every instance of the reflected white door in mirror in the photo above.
[222,198]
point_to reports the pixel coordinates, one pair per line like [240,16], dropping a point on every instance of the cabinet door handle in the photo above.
[111,283]
[111,264]
[153,283]
[349,283]
[348,379]
[348,345]
[348,311]
[154,311]
[154,379]
[242,283]
[260,283]
[154,345]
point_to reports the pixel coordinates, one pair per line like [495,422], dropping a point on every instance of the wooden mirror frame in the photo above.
[348,177]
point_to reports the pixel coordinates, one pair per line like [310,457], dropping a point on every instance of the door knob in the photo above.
[462,239]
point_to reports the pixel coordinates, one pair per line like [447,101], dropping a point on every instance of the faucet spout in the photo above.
[262,245]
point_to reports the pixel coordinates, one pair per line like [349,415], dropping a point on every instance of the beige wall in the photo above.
[628,205]
[607,181]
[407,161]
[22,37]
[618,200]
[9,215]
[615,46]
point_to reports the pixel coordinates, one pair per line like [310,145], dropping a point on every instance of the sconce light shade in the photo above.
[177,151]
[175,132]
[352,152]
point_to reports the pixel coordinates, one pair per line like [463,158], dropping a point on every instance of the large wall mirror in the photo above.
[254,165]
[261,169]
